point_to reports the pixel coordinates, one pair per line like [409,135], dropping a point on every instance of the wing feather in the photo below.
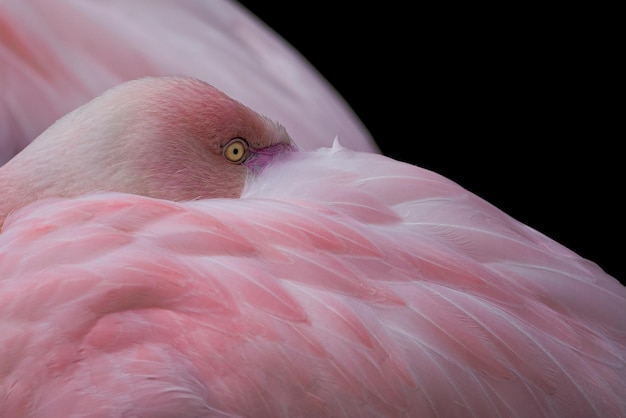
[57,56]
[291,302]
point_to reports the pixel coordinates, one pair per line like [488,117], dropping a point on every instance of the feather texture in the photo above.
[339,284]
[57,56]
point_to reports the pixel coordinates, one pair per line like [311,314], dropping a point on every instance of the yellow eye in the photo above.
[236,151]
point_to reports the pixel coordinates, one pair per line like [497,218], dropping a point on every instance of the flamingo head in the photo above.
[174,138]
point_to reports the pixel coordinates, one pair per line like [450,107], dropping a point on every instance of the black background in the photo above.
[514,105]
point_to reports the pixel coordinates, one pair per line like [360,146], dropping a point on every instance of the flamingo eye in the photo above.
[236,151]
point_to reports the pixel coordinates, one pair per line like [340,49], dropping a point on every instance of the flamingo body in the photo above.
[339,284]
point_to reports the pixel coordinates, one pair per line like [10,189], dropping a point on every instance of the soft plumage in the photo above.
[141,274]
[339,284]
[57,56]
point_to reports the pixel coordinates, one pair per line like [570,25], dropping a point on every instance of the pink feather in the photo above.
[339,284]
[57,56]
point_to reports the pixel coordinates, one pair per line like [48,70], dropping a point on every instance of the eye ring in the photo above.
[236,151]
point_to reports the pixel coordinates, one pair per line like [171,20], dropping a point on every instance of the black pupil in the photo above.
[236,151]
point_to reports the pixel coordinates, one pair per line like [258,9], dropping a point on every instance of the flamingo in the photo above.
[353,313]
[279,283]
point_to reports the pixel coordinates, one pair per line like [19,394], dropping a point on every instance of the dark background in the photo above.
[514,105]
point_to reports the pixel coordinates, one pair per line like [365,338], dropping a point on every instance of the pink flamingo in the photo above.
[55,57]
[410,299]
[339,283]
